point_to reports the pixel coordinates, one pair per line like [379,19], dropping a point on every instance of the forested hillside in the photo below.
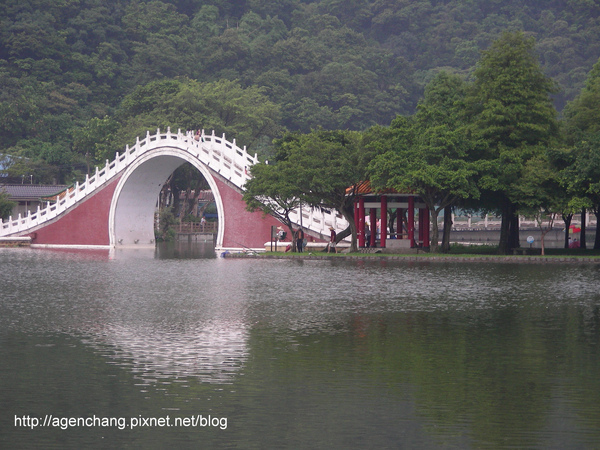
[73,72]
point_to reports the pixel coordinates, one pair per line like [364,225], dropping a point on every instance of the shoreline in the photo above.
[428,258]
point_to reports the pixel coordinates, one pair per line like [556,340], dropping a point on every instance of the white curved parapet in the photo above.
[319,221]
[220,155]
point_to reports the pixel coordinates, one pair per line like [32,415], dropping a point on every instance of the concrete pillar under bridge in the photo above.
[121,213]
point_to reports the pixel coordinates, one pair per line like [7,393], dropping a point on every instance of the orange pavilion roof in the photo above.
[364,188]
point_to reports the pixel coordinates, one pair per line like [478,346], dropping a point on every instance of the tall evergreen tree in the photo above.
[514,121]
[583,131]
[583,113]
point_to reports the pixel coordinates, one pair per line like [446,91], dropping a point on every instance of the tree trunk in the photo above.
[514,229]
[166,193]
[544,233]
[292,235]
[391,221]
[435,232]
[597,239]
[509,230]
[447,229]
[185,203]
[348,214]
[582,243]
[503,246]
[597,236]
[176,203]
[567,220]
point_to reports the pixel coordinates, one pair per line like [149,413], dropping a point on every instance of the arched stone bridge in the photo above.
[115,206]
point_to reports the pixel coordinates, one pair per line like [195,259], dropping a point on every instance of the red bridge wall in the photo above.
[86,224]
[243,228]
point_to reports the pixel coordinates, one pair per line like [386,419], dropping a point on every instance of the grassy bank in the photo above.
[457,252]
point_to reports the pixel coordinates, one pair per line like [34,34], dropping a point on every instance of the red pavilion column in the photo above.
[383,221]
[361,222]
[355,205]
[421,215]
[411,221]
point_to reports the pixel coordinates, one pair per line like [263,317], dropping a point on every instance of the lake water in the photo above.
[177,348]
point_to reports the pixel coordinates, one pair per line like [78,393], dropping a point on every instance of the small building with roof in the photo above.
[29,196]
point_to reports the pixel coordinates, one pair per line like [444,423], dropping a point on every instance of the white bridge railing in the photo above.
[222,156]
[319,221]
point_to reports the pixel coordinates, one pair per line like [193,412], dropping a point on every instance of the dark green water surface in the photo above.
[175,349]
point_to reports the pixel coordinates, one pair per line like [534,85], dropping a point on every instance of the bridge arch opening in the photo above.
[133,206]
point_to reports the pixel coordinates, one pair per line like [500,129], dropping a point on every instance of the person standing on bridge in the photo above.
[300,240]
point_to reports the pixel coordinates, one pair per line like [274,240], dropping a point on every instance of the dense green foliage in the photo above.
[6,205]
[318,168]
[491,144]
[82,78]
[273,190]
[66,66]
[430,152]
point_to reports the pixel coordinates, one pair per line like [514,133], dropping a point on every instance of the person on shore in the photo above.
[300,240]
[280,234]
[332,244]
